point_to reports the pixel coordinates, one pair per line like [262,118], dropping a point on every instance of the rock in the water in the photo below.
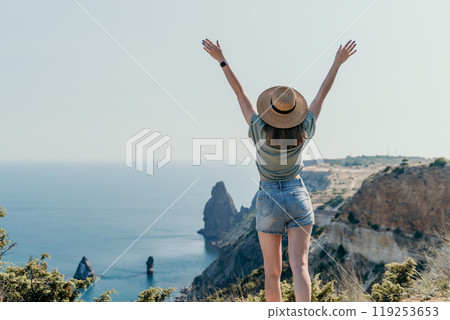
[150,261]
[84,270]
[218,214]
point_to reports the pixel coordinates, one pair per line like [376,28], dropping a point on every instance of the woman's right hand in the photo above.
[344,53]
[213,50]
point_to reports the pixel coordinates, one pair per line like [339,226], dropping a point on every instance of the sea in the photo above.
[117,217]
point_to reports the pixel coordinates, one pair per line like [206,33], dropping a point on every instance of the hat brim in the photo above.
[279,120]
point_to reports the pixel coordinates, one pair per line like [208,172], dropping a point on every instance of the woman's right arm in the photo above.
[341,56]
[244,102]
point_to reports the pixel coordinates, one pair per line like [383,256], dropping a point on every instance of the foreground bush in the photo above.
[319,292]
[34,282]
[155,294]
[397,278]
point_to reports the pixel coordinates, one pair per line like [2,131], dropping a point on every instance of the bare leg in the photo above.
[271,249]
[299,240]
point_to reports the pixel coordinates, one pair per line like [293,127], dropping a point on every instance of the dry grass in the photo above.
[350,282]
[434,281]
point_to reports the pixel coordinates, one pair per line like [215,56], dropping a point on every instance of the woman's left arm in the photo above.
[246,106]
[342,55]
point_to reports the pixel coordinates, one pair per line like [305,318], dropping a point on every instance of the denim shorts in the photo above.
[281,205]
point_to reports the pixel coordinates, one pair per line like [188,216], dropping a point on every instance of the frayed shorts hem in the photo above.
[301,225]
[271,232]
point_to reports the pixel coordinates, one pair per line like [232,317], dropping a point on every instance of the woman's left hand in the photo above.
[344,53]
[213,50]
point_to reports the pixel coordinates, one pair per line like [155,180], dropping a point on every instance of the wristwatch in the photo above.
[223,63]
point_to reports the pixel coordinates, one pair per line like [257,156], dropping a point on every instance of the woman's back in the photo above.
[280,163]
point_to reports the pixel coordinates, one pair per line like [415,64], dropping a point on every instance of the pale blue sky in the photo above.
[68,92]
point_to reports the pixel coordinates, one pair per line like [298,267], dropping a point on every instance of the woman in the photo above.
[279,131]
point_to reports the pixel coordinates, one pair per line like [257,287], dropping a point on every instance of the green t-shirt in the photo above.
[282,163]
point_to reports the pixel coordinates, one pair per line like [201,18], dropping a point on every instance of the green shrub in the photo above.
[105,296]
[326,292]
[35,283]
[319,292]
[396,279]
[5,244]
[418,234]
[375,227]
[399,170]
[155,294]
[333,202]
[439,162]
[351,218]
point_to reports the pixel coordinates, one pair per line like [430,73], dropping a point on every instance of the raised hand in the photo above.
[214,50]
[344,53]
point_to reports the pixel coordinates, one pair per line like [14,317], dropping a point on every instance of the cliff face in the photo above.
[397,213]
[413,199]
[394,215]
[235,260]
[373,245]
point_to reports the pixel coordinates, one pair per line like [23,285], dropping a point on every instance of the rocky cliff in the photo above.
[395,214]
[398,212]
[414,199]
[235,260]
[219,215]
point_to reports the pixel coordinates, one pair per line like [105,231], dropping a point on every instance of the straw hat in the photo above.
[282,107]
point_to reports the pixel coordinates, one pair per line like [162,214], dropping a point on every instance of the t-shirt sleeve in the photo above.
[310,124]
[253,127]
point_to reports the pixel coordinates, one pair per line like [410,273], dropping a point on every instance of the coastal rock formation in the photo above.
[84,270]
[397,213]
[235,260]
[394,215]
[219,213]
[149,263]
[414,199]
